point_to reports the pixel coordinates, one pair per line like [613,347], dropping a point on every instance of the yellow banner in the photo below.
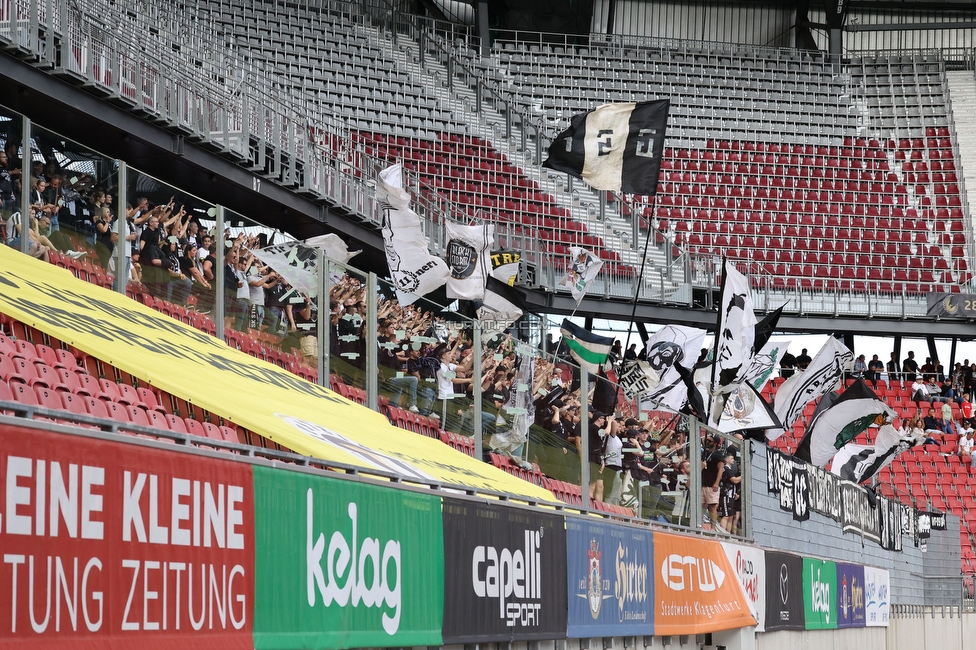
[252,393]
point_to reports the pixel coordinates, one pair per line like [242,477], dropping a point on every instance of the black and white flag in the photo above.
[838,419]
[821,376]
[670,348]
[744,411]
[468,260]
[614,147]
[858,463]
[502,306]
[735,334]
[414,270]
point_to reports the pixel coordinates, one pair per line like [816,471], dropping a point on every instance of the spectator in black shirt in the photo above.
[803,360]
[909,366]
[393,363]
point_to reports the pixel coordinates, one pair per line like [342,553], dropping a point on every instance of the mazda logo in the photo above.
[784,583]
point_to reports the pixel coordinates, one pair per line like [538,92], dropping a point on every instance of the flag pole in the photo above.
[640,276]
[718,326]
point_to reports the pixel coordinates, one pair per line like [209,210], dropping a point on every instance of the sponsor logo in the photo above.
[348,565]
[845,599]
[819,594]
[594,579]
[857,598]
[514,577]
[747,576]
[461,258]
[631,587]
[682,572]
[784,592]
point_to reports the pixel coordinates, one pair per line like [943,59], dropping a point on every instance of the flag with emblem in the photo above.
[821,376]
[837,419]
[584,265]
[860,462]
[468,260]
[614,147]
[590,350]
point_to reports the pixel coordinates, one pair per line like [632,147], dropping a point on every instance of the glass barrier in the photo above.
[72,193]
[348,328]
[170,250]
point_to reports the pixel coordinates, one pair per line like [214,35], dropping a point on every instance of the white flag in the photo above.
[584,267]
[736,331]
[672,345]
[333,247]
[414,270]
[293,261]
[821,376]
[860,462]
[763,365]
[468,260]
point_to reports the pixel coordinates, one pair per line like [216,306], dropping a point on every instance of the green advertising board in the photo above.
[820,594]
[341,564]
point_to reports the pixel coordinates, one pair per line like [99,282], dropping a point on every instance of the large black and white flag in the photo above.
[821,376]
[505,266]
[614,147]
[670,349]
[501,306]
[414,270]
[859,463]
[838,419]
[468,260]
[735,334]
[764,363]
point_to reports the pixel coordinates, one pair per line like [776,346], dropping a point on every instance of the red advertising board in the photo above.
[107,543]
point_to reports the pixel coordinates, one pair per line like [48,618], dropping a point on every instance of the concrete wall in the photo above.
[823,537]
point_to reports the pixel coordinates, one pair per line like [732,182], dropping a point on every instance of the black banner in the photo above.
[937,520]
[859,517]
[801,492]
[824,492]
[772,470]
[952,305]
[504,574]
[784,592]
[785,473]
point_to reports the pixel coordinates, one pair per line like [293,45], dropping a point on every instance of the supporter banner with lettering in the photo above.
[254,394]
[859,517]
[784,592]
[610,579]
[504,574]
[824,492]
[696,590]
[819,594]
[749,563]
[107,544]
[342,564]
[876,599]
[850,595]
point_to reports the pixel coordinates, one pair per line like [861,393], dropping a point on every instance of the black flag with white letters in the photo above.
[614,147]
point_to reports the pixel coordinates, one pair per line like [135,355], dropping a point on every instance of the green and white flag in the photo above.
[590,350]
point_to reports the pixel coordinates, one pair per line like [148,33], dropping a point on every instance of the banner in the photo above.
[254,394]
[670,347]
[951,305]
[876,597]
[297,261]
[744,410]
[588,349]
[110,545]
[801,492]
[859,463]
[764,364]
[819,594]
[859,517]
[414,270]
[501,306]
[784,592]
[850,595]
[821,377]
[343,564]
[824,493]
[585,266]
[610,578]
[637,378]
[614,147]
[749,563]
[695,588]
[468,260]
[504,574]
[505,266]
[735,333]
[838,419]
